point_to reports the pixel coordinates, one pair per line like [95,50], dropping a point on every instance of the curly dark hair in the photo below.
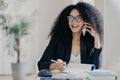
[60,28]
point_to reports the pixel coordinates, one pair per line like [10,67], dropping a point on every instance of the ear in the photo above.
[84,22]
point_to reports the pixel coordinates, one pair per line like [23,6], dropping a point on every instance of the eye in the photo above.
[70,18]
[78,17]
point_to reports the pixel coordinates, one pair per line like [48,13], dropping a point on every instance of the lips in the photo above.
[74,26]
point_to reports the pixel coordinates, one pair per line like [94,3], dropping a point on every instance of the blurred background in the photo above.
[40,14]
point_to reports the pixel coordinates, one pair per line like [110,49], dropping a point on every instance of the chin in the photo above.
[76,30]
[73,31]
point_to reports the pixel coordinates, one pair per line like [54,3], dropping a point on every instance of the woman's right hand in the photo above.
[59,65]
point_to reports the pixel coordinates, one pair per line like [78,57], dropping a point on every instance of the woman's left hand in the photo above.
[89,28]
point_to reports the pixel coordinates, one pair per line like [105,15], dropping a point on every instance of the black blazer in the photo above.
[61,49]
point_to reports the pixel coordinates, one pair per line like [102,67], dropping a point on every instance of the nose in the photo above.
[74,20]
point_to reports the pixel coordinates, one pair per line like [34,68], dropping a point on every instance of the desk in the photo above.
[34,77]
[67,79]
[56,76]
[62,79]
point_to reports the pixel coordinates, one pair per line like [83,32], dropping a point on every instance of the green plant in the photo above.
[16,32]
[2,5]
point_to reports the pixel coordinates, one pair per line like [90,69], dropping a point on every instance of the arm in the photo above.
[48,54]
[96,50]
[94,34]
[94,57]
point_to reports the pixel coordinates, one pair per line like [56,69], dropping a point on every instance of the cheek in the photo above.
[69,23]
[81,25]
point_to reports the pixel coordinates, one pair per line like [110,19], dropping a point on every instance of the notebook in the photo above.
[102,75]
[81,67]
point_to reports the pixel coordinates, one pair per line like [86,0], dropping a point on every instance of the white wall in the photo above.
[112,37]
[99,4]
[40,14]
[110,10]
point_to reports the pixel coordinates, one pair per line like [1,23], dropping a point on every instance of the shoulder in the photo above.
[60,42]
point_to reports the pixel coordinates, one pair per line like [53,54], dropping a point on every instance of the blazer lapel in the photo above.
[68,50]
[83,50]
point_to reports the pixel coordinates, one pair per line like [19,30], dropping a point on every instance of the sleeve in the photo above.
[94,57]
[48,54]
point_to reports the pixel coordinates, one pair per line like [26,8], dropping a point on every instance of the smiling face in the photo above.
[75,21]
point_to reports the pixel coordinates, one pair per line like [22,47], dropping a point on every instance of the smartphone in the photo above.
[84,30]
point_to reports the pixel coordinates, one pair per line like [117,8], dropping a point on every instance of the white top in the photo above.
[75,59]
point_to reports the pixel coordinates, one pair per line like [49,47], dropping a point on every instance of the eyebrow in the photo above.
[75,16]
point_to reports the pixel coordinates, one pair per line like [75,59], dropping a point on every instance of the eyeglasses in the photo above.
[77,18]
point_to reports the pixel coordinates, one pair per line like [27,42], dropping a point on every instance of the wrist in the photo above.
[97,42]
[52,66]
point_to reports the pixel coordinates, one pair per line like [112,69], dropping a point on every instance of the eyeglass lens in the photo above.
[77,18]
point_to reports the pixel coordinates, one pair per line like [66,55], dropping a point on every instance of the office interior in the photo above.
[41,14]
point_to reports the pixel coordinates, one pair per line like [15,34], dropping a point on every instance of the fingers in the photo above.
[61,69]
[89,27]
[60,66]
[88,30]
[88,24]
[59,60]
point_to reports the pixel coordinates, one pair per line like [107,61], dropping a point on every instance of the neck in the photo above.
[76,36]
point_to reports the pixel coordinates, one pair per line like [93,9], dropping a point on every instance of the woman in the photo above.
[68,44]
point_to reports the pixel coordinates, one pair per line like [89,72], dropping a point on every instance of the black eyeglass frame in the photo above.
[77,18]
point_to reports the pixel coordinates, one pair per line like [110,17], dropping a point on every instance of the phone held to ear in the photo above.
[84,30]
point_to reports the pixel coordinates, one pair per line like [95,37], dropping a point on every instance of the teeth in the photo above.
[74,26]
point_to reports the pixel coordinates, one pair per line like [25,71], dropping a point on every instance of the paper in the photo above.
[82,67]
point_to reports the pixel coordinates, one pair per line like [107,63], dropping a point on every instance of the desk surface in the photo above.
[68,79]
[56,76]
[61,79]
[34,77]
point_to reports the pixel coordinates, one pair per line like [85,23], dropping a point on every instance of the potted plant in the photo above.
[15,33]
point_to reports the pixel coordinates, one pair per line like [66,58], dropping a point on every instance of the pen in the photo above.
[53,61]
[57,61]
